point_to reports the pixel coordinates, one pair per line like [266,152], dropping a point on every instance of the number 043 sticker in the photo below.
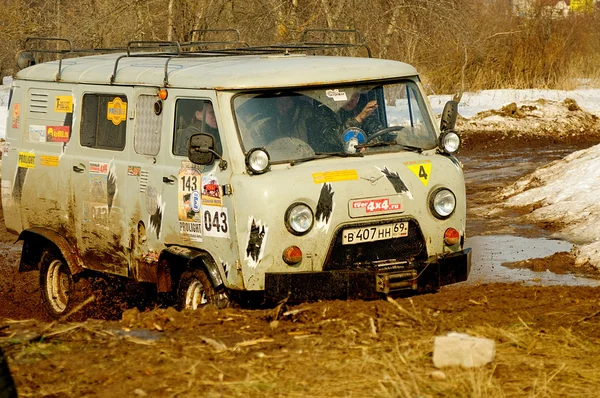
[216,221]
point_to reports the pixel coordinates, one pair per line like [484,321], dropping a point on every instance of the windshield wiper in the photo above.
[380,144]
[324,155]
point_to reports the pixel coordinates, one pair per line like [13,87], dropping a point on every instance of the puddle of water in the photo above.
[490,251]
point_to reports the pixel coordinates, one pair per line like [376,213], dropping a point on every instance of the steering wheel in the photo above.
[384,131]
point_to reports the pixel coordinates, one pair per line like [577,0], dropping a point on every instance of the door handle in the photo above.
[169,180]
[79,169]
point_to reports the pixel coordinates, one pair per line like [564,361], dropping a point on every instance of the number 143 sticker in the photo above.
[216,221]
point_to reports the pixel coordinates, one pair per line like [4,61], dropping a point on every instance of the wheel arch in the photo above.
[36,239]
[175,260]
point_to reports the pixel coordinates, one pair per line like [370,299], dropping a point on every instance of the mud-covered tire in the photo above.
[195,290]
[56,285]
[7,384]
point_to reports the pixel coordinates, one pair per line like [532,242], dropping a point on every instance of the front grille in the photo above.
[371,254]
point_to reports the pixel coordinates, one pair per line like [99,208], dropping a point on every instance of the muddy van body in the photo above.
[208,176]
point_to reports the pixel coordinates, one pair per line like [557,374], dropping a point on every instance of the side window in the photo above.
[103,121]
[194,116]
[146,137]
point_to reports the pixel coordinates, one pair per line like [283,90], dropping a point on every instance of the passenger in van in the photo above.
[203,121]
[357,112]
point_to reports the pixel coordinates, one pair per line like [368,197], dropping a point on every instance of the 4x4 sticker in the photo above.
[396,181]
[325,207]
[421,170]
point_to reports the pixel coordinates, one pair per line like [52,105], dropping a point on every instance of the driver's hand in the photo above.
[367,111]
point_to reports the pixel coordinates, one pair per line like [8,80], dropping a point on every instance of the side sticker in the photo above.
[116,111]
[16,116]
[97,209]
[216,222]
[63,103]
[211,191]
[49,161]
[6,149]
[421,170]
[6,192]
[26,160]
[188,199]
[58,133]
[333,176]
[37,133]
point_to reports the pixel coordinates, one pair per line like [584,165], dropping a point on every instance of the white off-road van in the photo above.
[215,173]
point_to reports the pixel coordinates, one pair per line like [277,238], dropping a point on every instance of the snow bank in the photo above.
[565,193]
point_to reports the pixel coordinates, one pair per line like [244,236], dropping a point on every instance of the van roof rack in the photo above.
[312,41]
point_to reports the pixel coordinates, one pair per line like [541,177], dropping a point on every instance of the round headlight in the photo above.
[450,142]
[299,218]
[442,203]
[257,161]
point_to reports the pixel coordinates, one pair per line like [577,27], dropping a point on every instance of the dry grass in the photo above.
[339,349]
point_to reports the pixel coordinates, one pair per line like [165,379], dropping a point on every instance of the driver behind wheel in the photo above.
[359,112]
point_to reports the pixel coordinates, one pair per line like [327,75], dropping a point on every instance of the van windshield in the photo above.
[296,124]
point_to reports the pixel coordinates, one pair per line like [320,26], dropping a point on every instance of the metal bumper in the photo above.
[367,284]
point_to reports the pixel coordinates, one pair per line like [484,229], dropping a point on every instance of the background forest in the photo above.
[455,44]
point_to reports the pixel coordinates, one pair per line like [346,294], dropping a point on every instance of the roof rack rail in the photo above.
[357,35]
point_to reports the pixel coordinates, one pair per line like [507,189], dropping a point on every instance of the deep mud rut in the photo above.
[546,336]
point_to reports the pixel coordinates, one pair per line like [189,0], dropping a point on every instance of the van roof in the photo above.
[218,72]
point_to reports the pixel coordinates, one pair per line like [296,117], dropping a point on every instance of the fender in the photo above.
[33,248]
[190,257]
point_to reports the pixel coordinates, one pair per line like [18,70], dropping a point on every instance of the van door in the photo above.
[200,209]
[99,169]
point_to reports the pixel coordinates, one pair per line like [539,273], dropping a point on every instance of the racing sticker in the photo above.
[37,133]
[26,160]
[58,133]
[49,161]
[216,221]
[396,181]
[97,210]
[336,95]
[211,191]
[189,203]
[6,149]
[421,169]
[325,207]
[333,176]
[116,111]
[257,239]
[6,191]
[16,116]
[63,104]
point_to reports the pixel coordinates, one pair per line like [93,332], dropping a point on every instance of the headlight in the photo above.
[257,161]
[449,142]
[299,218]
[442,203]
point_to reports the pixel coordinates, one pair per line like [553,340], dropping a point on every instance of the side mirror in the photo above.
[201,149]
[448,120]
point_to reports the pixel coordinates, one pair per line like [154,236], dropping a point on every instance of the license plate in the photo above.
[353,236]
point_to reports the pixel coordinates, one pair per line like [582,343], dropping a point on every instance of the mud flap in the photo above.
[455,267]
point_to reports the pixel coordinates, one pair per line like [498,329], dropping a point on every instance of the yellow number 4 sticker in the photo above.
[422,170]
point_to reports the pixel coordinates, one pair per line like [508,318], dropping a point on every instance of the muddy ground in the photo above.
[547,338]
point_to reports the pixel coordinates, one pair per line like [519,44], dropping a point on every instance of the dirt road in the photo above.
[546,338]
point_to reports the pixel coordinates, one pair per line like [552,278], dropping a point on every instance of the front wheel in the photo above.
[56,285]
[195,290]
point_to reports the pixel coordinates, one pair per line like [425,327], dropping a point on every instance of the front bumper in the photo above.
[368,284]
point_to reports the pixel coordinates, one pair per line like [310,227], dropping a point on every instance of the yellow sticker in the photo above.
[421,170]
[333,176]
[63,103]
[50,161]
[26,160]
[116,111]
